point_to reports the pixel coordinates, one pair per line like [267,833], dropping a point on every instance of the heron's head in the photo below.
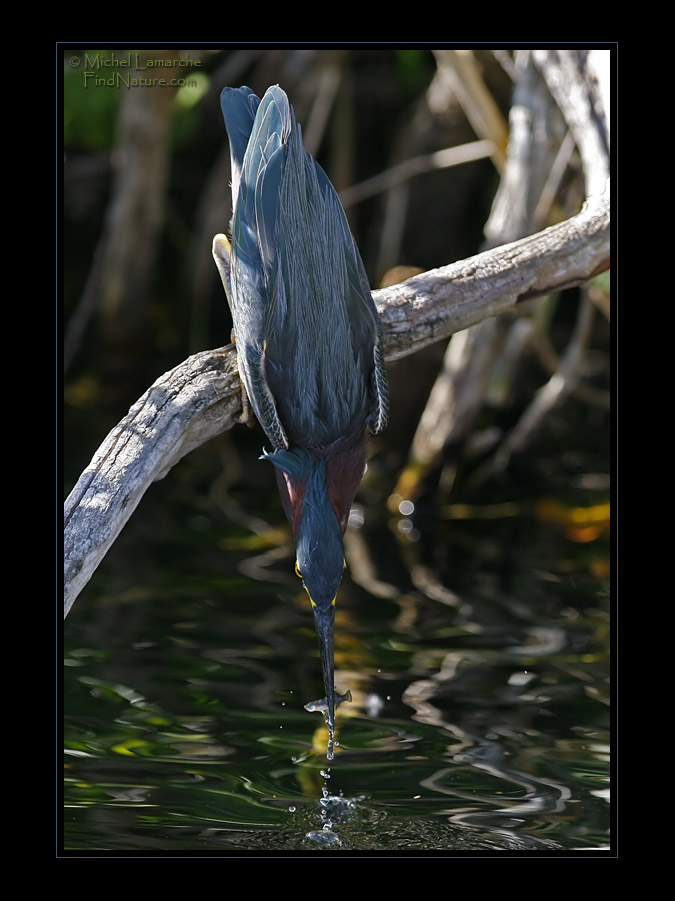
[319,552]
[320,563]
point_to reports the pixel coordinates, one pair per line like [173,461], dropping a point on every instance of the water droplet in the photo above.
[325,837]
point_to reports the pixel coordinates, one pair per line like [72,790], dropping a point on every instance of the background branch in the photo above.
[558,106]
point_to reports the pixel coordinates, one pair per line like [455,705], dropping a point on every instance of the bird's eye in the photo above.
[297,571]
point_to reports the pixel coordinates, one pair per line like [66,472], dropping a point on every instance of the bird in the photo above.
[309,342]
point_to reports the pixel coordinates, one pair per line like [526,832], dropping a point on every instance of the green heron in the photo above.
[308,339]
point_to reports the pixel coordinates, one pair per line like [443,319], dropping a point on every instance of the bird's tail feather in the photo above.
[239,106]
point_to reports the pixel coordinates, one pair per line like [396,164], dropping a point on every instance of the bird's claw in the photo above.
[246,417]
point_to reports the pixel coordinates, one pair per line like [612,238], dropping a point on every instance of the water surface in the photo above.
[476,650]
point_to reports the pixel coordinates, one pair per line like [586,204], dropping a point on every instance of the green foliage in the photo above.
[93,91]
[413,66]
[187,117]
[89,111]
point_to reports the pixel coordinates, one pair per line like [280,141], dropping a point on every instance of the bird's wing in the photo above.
[307,331]
[362,313]
[322,355]
[257,131]
[239,106]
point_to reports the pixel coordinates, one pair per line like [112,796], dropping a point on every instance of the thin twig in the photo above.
[415,166]
[561,383]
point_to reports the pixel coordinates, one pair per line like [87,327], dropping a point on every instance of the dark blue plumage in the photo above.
[307,333]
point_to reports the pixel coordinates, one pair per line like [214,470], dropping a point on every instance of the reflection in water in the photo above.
[538,796]
[478,708]
[541,796]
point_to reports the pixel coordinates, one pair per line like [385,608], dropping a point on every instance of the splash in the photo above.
[335,810]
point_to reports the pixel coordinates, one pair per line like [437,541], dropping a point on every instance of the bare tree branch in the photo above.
[414,166]
[560,99]
[459,69]
[435,304]
[201,397]
[183,409]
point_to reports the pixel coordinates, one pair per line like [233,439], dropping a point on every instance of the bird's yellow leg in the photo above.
[221,254]
[247,416]
[221,249]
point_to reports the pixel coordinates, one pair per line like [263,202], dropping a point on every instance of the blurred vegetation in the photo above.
[146,186]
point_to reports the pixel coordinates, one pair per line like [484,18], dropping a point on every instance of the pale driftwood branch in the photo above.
[438,303]
[201,397]
[183,409]
[579,83]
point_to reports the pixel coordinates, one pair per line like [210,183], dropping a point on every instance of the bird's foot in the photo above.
[247,416]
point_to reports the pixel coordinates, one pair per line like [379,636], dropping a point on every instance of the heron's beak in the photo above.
[324,621]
